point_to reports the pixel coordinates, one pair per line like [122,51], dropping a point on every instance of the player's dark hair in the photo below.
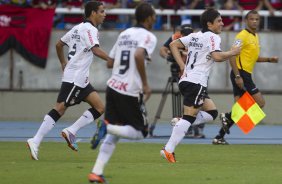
[251,12]
[209,15]
[186,29]
[91,6]
[143,11]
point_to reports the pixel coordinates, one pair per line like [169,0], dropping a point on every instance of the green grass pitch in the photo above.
[140,163]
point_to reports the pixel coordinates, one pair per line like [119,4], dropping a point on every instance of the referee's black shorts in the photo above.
[123,110]
[249,84]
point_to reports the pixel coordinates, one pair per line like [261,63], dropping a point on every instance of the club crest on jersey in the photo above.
[237,42]
[201,101]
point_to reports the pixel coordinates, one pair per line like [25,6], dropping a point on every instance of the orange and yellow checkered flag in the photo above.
[246,113]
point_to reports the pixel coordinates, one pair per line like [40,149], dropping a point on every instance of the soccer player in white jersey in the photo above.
[83,42]
[203,51]
[123,116]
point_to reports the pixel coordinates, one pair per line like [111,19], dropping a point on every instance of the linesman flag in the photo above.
[246,113]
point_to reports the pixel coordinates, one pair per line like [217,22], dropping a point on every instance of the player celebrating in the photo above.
[83,42]
[123,115]
[203,50]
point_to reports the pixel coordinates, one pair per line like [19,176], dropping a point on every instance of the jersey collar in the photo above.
[250,32]
[206,30]
[140,26]
[85,21]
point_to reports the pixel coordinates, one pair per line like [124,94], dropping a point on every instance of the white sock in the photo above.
[105,152]
[178,133]
[125,131]
[46,126]
[84,120]
[202,117]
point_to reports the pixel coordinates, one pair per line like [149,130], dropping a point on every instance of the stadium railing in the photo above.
[122,11]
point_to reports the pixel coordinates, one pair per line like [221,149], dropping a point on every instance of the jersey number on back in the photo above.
[195,58]
[124,61]
[72,52]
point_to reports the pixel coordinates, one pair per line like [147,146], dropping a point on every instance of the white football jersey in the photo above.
[80,39]
[125,78]
[199,62]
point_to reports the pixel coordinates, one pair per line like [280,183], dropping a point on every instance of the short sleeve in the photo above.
[185,40]
[239,40]
[67,37]
[91,37]
[148,42]
[214,42]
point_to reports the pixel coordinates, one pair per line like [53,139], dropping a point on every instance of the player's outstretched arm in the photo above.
[273,59]
[97,51]
[222,56]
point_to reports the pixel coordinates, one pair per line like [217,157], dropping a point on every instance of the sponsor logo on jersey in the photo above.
[122,86]
[212,42]
[75,36]
[126,41]
[90,37]
[194,43]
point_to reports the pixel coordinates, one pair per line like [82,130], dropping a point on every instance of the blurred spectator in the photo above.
[133,3]
[274,23]
[44,4]
[23,3]
[198,5]
[250,4]
[111,20]
[175,20]
[231,23]
[5,2]
[72,19]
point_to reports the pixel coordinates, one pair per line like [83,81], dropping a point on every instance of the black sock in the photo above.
[221,134]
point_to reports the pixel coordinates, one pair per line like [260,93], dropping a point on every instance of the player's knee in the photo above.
[213,113]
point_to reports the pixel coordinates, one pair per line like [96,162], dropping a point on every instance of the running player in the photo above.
[123,115]
[203,50]
[83,42]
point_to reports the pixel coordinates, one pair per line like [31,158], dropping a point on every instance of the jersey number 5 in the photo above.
[72,52]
